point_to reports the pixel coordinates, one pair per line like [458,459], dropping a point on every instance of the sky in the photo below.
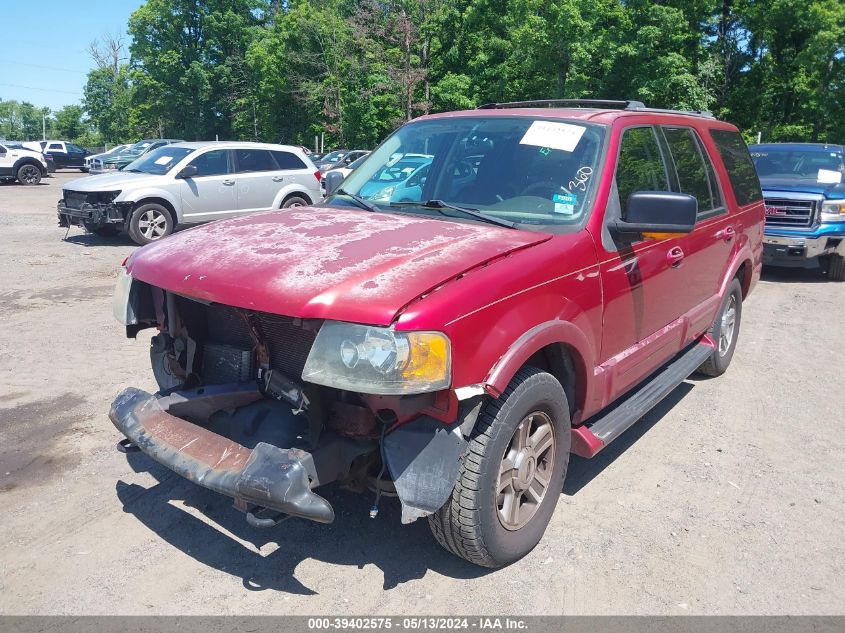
[44,56]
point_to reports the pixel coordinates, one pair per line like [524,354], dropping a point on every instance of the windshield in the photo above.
[517,169]
[825,166]
[333,157]
[159,161]
[140,146]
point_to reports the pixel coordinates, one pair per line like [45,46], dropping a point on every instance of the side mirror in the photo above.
[188,171]
[657,215]
[334,179]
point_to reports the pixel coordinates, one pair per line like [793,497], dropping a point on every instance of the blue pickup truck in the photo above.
[804,189]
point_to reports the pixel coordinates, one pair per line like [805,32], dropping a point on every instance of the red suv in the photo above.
[489,291]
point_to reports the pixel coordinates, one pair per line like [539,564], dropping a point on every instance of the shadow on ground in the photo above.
[811,274]
[402,552]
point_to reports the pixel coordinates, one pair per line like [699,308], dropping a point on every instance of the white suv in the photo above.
[188,183]
[25,165]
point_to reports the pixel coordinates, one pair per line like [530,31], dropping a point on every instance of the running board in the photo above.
[600,430]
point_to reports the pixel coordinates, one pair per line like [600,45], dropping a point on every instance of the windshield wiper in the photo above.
[439,205]
[364,204]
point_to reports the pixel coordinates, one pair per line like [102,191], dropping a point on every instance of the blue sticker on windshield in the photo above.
[564,203]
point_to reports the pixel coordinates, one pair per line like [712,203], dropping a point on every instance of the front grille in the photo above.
[789,213]
[288,344]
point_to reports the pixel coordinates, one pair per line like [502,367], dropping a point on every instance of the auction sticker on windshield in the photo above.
[564,203]
[828,176]
[562,136]
[163,160]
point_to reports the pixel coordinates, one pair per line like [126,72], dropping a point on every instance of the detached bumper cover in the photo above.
[266,475]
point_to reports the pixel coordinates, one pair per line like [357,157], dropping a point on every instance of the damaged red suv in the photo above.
[489,291]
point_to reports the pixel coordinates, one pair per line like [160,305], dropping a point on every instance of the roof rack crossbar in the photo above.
[566,103]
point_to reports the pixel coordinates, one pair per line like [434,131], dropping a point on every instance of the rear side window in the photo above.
[254,160]
[286,160]
[693,168]
[739,166]
[55,146]
[213,163]
[640,165]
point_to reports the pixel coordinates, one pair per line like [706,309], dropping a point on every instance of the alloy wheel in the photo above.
[29,174]
[152,224]
[727,326]
[526,470]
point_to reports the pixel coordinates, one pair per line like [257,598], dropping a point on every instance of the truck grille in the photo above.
[288,344]
[789,213]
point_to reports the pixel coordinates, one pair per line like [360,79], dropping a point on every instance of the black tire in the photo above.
[84,170]
[721,357]
[29,174]
[469,524]
[835,268]
[149,223]
[295,201]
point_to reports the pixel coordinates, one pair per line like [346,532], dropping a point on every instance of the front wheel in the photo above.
[725,331]
[511,476]
[835,267]
[149,223]
[29,174]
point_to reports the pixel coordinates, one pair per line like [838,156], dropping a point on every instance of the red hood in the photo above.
[345,265]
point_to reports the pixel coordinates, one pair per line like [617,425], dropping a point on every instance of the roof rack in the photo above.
[566,103]
[611,104]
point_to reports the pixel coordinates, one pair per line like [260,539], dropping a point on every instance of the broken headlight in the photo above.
[378,360]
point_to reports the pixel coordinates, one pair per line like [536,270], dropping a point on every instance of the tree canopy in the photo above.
[356,69]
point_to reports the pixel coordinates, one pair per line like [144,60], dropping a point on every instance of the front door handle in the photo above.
[228,183]
[278,178]
[675,256]
[728,233]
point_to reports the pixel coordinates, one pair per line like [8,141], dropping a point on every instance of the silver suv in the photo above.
[189,183]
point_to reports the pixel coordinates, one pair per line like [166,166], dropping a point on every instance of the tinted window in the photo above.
[254,160]
[55,146]
[213,163]
[738,164]
[75,148]
[694,172]
[286,160]
[640,166]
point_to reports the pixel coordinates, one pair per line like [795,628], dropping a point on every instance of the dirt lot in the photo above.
[730,498]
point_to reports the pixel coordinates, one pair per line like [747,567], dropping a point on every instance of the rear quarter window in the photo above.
[740,167]
[286,160]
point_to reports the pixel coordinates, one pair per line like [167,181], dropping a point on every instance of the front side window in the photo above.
[517,169]
[694,172]
[738,164]
[158,161]
[250,160]
[639,166]
[75,149]
[212,163]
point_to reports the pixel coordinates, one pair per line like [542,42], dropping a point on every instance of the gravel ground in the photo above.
[727,499]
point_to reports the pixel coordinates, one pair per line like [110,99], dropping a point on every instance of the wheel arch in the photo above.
[291,190]
[27,160]
[164,202]
[557,347]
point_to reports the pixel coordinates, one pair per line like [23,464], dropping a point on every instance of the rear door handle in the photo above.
[728,233]
[278,178]
[675,256]
[228,183]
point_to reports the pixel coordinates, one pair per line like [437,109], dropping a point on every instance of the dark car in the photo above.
[66,155]
[452,347]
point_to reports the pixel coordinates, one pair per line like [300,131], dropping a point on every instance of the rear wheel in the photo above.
[29,174]
[725,331]
[835,268]
[294,201]
[149,223]
[511,476]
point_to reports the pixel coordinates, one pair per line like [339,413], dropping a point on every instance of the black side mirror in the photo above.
[334,179]
[657,215]
[188,171]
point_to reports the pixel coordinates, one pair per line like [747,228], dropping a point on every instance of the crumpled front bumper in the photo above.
[99,214]
[266,475]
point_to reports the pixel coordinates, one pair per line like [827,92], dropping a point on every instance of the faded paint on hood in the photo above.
[339,264]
